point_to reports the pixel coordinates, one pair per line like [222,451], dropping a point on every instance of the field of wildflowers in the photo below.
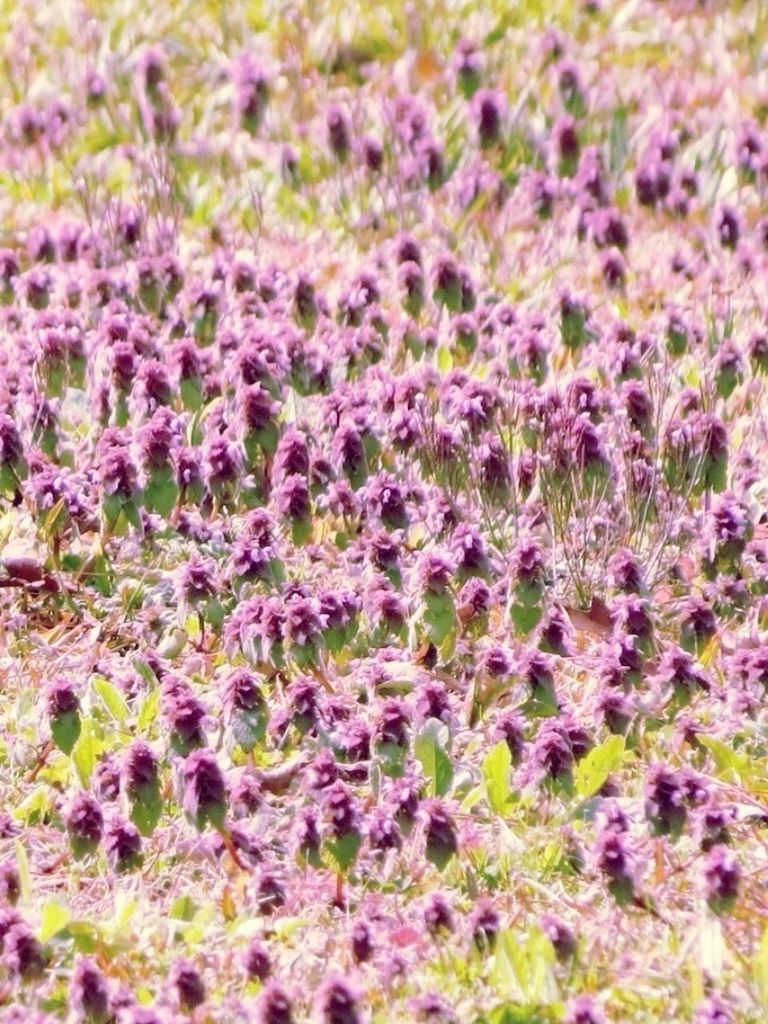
[383,512]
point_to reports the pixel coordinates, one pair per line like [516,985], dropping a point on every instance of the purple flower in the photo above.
[122,842]
[488,113]
[139,767]
[88,992]
[337,1003]
[10,884]
[61,698]
[565,138]
[615,710]
[432,1007]
[251,88]
[712,825]
[274,1005]
[613,859]
[117,471]
[664,806]
[24,954]
[307,834]
[240,691]
[323,771]
[246,795]
[467,64]
[204,796]
[432,701]
[85,823]
[292,500]
[392,723]
[713,1010]
[337,127]
[384,607]
[303,623]
[727,226]
[8,918]
[361,942]
[440,836]
[584,1009]
[474,599]
[560,935]
[304,700]
[438,916]
[183,713]
[721,878]
[509,727]
[185,978]
[197,581]
[341,810]
[485,925]
[383,833]
[256,960]
[528,562]
[698,624]
[222,461]
[385,499]
[625,572]
[156,439]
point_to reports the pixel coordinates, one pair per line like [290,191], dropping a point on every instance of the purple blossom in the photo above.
[88,992]
[721,878]
[274,1006]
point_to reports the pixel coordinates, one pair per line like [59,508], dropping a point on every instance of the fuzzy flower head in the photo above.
[204,794]
[721,878]
[88,992]
[337,1003]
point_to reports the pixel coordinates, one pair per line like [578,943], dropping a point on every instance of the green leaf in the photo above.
[439,616]
[510,1013]
[730,764]
[543,700]
[113,700]
[146,808]
[760,970]
[191,392]
[525,617]
[439,853]
[391,759]
[343,852]
[84,753]
[82,846]
[175,639]
[53,918]
[54,520]
[213,613]
[184,908]
[33,807]
[594,769]
[161,492]
[301,531]
[131,513]
[65,730]
[208,812]
[98,574]
[22,864]
[436,764]
[125,908]
[523,968]
[248,727]
[496,767]
[111,506]
[444,359]
[618,141]
[148,710]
